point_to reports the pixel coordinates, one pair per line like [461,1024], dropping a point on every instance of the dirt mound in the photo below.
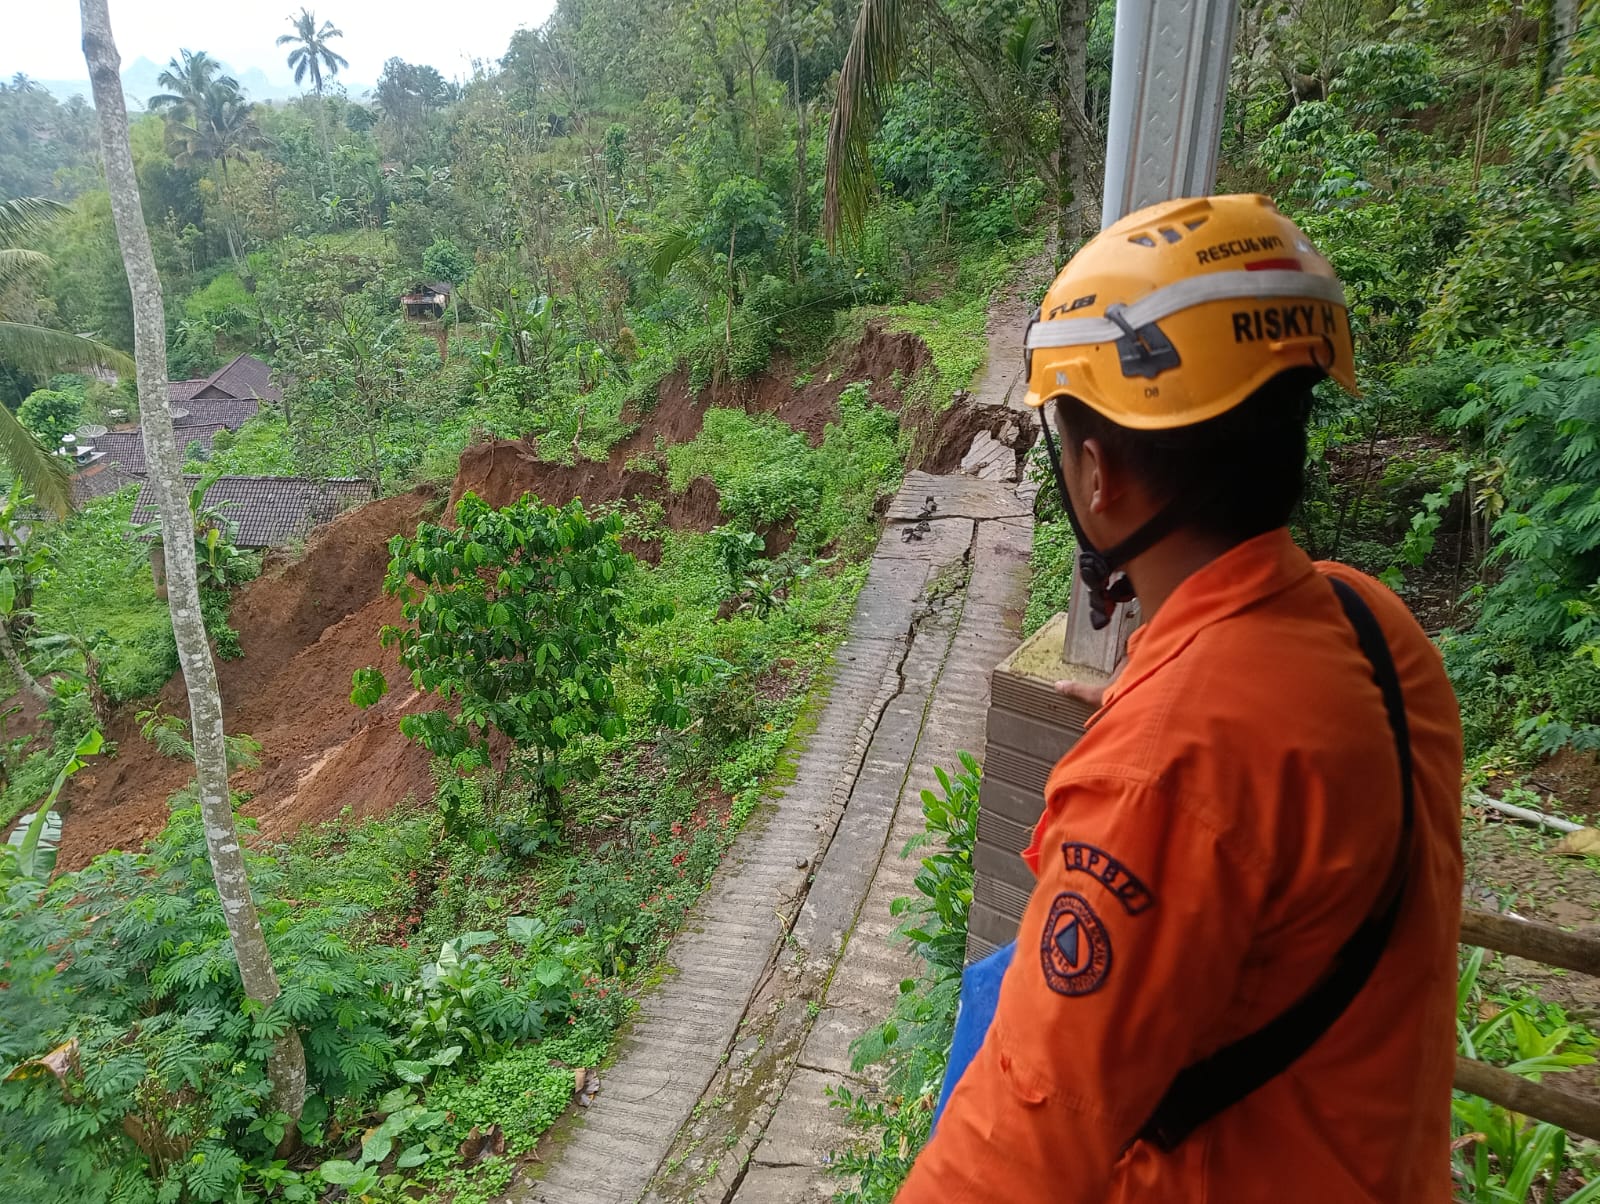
[940,445]
[289,606]
[307,625]
[305,628]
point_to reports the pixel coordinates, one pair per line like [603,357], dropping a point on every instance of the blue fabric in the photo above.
[980,996]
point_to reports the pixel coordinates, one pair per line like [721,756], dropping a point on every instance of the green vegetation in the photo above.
[617,223]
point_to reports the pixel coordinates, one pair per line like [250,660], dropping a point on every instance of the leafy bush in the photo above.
[162,1075]
[760,465]
[50,414]
[99,574]
[1540,421]
[516,613]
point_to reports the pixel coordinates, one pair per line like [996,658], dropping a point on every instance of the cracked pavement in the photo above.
[718,1091]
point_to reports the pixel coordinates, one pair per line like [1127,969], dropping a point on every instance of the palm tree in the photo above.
[208,121]
[286,1066]
[40,351]
[190,80]
[314,57]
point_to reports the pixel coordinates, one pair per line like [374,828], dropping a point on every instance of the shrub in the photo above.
[50,414]
[125,1024]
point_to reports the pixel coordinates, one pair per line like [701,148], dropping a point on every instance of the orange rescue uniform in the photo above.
[1226,821]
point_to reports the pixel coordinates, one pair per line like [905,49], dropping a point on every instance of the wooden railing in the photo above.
[1551,946]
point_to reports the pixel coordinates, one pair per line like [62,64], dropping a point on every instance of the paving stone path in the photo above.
[718,1092]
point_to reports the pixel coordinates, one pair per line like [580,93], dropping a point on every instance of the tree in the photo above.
[514,617]
[359,379]
[50,414]
[406,94]
[37,349]
[314,57]
[208,121]
[443,260]
[286,1066]
[873,63]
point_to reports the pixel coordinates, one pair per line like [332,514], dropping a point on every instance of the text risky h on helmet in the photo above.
[1179,312]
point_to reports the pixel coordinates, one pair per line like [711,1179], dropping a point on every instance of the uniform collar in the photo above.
[1242,576]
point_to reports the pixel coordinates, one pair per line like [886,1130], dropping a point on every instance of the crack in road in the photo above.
[767,1077]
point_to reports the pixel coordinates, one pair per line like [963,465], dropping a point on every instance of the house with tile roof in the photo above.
[201,409]
[243,378]
[267,511]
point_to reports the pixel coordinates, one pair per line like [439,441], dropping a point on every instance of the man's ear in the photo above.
[1099,475]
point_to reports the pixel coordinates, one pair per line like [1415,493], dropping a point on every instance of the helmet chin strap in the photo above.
[1097,567]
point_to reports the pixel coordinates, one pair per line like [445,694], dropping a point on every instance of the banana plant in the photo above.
[31,851]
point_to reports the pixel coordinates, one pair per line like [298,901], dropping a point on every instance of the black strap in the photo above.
[1216,1083]
[1096,567]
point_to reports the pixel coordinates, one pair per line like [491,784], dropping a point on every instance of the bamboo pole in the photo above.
[1479,799]
[1531,939]
[1572,1113]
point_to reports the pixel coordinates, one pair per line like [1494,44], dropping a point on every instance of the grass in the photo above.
[955,337]
[100,586]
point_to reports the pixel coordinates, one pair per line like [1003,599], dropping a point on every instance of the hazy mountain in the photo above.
[139,84]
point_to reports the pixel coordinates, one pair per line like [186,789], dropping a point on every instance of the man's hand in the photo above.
[1090,693]
[1083,691]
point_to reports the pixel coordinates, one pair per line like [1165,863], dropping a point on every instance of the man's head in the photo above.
[1179,348]
[1234,476]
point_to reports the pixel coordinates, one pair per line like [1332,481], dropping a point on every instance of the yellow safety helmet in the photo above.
[1179,312]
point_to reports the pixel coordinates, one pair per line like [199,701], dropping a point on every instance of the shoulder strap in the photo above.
[1214,1084]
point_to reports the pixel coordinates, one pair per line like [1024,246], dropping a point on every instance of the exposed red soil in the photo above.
[306,626]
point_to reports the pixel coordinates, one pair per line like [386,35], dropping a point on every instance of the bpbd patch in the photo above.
[1076,949]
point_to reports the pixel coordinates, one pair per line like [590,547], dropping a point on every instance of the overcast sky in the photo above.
[42,38]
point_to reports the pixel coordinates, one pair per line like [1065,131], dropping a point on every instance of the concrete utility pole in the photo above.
[1169,83]
[1169,80]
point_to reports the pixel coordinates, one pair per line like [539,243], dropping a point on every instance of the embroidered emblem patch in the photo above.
[1100,865]
[1076,949]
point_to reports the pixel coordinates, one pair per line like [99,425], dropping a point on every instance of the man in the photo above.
[1235,979]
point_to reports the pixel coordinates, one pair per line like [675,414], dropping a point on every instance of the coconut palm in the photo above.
[208,121]
[314,57]
[39,351]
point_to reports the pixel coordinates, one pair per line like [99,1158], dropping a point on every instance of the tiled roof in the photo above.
[231,412]
[267,511]
[100,480]
[125,449]
[244,376]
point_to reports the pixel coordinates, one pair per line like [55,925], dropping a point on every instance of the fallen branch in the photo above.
[1531,939]
[1479,799]
[1570,1112]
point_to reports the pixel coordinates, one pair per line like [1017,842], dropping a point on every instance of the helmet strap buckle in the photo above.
[1145,351]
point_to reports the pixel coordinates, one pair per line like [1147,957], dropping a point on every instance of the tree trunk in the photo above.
[802,218]
[322,128]
[28,682]
[228,222]
[286,1067]
[1072,167]
[1558,28]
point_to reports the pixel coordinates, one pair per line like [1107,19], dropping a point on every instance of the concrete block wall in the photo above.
[1030,728]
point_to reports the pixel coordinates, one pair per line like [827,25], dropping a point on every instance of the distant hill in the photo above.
[139,84]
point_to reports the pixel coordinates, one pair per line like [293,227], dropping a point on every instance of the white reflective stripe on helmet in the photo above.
[1182,295]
